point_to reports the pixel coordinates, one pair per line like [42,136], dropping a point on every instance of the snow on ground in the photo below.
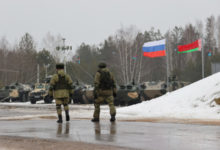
[191,102]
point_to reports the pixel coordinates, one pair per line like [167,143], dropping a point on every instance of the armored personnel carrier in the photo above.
[127,95]
[15,92]
[87,94]
[152,89]
[78,92]
[4,94]
[83,94]
[175,84]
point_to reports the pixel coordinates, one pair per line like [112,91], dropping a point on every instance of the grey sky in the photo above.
[91,21]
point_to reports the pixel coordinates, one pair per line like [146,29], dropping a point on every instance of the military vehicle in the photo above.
[175,84]
[87,94]
[127,95]
[152,89]
[4,94]
[40,92]
[77,97]
[15,92]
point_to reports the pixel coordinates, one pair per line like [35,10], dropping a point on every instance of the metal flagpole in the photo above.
[167,61]
[203,69]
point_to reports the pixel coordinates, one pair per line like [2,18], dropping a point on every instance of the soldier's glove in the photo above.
[114,94]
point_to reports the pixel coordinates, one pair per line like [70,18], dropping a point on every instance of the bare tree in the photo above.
[210,41]
[218,33]
[50,42]
[127,52]
[26,62]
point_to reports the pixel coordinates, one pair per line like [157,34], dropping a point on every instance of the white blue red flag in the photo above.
[154,49]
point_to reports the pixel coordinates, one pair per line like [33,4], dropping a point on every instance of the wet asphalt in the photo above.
[137,135]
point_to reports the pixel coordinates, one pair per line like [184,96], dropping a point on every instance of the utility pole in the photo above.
[64,48]
[38,73]
[46,68]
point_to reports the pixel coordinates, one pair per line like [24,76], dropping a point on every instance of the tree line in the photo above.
[122,52]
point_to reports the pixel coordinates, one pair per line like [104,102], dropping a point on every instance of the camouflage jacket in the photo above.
[98,90]
[60,85]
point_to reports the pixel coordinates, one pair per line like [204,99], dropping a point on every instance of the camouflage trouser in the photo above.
[101,99]
[64,102]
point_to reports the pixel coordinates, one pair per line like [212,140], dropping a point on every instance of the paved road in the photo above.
[138,135]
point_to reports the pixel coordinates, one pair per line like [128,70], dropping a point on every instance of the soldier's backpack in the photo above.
[106,81]
[61,83]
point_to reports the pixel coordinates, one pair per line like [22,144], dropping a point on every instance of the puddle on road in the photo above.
[140,135]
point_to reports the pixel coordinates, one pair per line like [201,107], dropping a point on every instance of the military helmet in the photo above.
[102,65]
[60,66]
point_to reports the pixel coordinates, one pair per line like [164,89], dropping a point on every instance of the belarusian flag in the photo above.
[195,46]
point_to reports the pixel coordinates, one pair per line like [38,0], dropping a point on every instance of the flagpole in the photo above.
[167,62]
[203,69]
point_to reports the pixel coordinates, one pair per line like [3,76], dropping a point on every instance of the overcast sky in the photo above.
[92,21]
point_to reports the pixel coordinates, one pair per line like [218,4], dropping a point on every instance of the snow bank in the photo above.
[191,102]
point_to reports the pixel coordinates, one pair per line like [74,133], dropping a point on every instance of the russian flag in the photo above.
[154,49]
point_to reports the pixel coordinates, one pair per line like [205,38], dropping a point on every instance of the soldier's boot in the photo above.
[67,115]
[95,120]
[60,120]
[112,118]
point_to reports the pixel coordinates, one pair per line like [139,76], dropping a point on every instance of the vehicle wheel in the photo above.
[122,103]
[33,101]
[47,100]
[6,100]
[144,98]
[116,102]
[23,98]
[85,100]
[26,97]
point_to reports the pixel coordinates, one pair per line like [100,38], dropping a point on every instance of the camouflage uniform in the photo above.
[104,95]
[61,89]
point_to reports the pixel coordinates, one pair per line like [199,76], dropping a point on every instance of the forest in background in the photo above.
[122,52]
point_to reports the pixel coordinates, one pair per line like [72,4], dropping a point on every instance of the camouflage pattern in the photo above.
[99,101]
[97,89]
[61,88]
[64,102]
[103,95]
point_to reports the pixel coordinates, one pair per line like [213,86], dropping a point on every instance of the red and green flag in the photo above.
[195,46]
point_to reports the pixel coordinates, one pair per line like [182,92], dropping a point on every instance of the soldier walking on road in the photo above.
[105,90]
[61,89]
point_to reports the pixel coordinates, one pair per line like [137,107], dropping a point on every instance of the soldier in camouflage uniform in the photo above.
[105,90]
[61,89]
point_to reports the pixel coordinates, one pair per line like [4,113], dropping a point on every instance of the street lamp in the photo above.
[64,48]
